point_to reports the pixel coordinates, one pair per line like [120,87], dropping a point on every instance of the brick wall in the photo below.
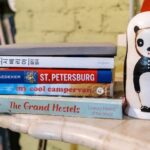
[39,21]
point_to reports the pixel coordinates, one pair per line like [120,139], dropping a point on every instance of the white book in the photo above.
[57,62]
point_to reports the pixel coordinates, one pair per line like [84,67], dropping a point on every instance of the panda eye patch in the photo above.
[140,42]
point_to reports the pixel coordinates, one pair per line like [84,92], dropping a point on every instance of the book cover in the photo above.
[74,90]
[57,62]
[46,76]
[62,106]
[60,49]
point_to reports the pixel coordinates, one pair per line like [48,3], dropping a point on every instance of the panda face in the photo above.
[143,42]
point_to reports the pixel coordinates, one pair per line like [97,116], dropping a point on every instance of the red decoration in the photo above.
[145,6]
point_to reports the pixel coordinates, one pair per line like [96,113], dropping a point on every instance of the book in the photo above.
[59,49]
[46,76]
[74,90]
[62,106]
[57,62]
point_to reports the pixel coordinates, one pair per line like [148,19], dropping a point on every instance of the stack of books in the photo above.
[75,80]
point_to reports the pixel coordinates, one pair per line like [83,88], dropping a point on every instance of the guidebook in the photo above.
[46,76]
[82,90]
[57,62]
[62,106]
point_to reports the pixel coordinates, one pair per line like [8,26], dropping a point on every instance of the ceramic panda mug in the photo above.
[137,67]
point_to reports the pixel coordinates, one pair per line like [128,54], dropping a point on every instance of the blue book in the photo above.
[62,106]
[45,76]
[83,90]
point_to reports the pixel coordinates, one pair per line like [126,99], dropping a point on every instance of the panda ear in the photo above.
[136,28]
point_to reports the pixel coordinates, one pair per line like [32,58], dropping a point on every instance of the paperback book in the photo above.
[45,76]
[74,90]
[60,49]
[62,106]
[57,62]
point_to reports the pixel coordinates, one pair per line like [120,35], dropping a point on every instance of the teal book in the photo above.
[62,106]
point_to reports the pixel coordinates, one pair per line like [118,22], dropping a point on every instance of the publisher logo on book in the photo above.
[31,77]
[100,91]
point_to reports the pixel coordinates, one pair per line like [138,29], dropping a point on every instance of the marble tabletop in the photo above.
[126,134]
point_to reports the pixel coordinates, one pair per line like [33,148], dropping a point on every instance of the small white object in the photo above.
[12,5]
[121,40]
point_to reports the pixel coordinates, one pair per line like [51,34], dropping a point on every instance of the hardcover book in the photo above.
[74,90]
[61,49]
[62,106]
[57,62]
[45,76]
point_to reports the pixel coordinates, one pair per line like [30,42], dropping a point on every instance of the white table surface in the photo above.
[99,134]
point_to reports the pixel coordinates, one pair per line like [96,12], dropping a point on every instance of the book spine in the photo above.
[57,62]
[45,76]
[82,90]
[78,108]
